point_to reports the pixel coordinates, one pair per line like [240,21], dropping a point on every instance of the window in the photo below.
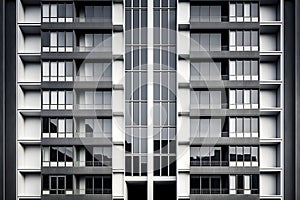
[205,13]
[57,128]
[57,41]
[94,71]
[243,156]
[98,184]
[209,156]
[243,184]
[57,71]
[243,99]
[243,12]
[57,100]
[164,165]
[98,156]
[97,42]
[206,41]
[206,99]
[243,70]
[54,156]
[243,41]
[94,100]
[57,12]
[57,184]
[95,14]
[91,127]
[212,184]
[206,127]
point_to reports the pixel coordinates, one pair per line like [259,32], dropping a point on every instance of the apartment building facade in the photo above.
[136,99]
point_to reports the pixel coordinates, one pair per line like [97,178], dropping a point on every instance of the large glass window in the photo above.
[57,41]
[243,99]
[98,184]
[57,184]
[243,156]
[243,12]
[94,41]
[94,71]
[98,156]
[57,12]
[244,184]
[57,128]
[94,100]
[206,127]
[57,71]
[95,13]
[206,99]
[206,42]
[209,156]
[243,70]
[58,156]
[201,13]
[94,127]
[57,100]
[243,41]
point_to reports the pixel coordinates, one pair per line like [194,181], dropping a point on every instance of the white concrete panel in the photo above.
[268,184]
[118,132]
[118,101]
[32,185]
[118,72]
[32,44]
[183,42]
[29,99]
[118,157]
[183,185]
[268,71]
[117,43]
[268,98]
[268,156]
[183,100]
[183,13]
[183,71]
[118,14]
[29,157]
[268,42]
[32,14]
[183,157]
[32,72]
[268,127]
[118,185]
[268,13]
[183,128]
[31,129]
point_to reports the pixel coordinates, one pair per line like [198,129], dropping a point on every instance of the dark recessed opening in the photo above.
[137,190]
[165,190]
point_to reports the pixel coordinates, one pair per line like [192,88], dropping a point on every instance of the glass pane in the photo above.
[215,42]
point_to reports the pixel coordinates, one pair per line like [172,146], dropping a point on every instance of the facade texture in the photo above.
[136,99]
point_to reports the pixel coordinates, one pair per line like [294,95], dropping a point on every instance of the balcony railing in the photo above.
[92,191]
[209,163]
[209,19]
[210,191]
[93,78]
[93,49]
[92,19]
[92,134]
[93,163]
[92,106]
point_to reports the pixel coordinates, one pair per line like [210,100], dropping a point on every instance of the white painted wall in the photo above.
[268,42]
[29,72]
[268,98]
[268,127]
[183,13]
[268,13]
[268,156]
[268,71]
[32,14]
[29,128]
[29,99]
[118,14]
[268,184]
[30,185]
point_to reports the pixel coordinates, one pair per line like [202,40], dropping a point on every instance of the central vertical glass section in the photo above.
[136,87]
[164,87]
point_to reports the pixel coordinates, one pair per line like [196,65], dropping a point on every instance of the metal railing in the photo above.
[209,19]
[93,78]
[93,49]
[208,163]
[92,106]
[209,191]
[92,19]
[92,163]
[92,134]
[92,191]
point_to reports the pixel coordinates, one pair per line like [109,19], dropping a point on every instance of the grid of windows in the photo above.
[244,184]
[98,156]
[205,71]
[209,184]
[57,156]
[243,99]
[57,100]
[209,156]
[94,71]
[206,13]
[243,12]
[243,156]
[57,184]
[57,41]
[242,40]
[206,42]
[243,127]
[243,70]
[62,12]
[98,42]
[164,88]
[136,87]
[57,71]
[206,99]
[98,184]
[93,13]
[206,127]
[57,127]
[94,127]
[94,100]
